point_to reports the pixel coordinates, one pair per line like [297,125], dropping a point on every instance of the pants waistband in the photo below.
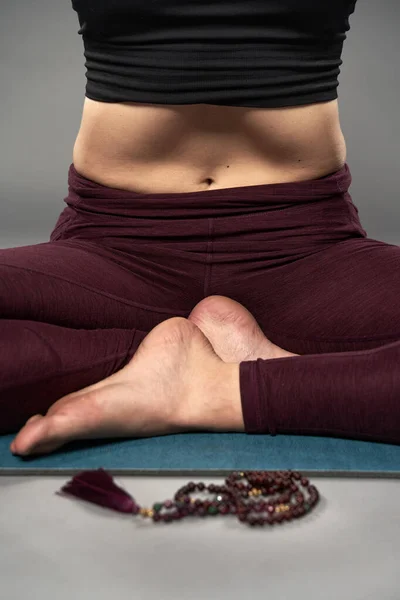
[88,194]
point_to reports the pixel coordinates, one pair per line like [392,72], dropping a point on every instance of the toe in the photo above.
[29,436]
[44,434]
[15,445]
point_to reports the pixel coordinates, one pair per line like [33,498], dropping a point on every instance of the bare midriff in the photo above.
[155,149]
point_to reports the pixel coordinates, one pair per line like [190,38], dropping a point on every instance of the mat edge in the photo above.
[198,472]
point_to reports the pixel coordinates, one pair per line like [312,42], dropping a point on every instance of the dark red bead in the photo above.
[168,504]
[277,487]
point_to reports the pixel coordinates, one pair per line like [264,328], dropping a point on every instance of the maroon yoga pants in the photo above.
[75,309]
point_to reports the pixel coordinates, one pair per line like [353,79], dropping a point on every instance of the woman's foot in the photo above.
[175,382]
[233,331]
[184,376]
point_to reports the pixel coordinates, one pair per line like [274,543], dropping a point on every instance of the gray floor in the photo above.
[54,547]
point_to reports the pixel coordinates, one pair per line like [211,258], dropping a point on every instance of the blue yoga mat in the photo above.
[213,453]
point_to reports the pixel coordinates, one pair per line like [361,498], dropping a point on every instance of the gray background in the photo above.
[349,547]
[55,548]
[42,79]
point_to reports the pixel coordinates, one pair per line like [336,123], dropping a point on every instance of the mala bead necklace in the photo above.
[254,497]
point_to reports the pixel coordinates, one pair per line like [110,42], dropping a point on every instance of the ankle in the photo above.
[228,413]
[216,405]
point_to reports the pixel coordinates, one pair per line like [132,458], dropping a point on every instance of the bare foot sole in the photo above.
[175,382]
[184,376]
[233,331]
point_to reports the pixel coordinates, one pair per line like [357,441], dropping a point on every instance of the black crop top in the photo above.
[261,53]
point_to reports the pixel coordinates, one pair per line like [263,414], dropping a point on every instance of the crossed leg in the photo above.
[70,316]
[177,382]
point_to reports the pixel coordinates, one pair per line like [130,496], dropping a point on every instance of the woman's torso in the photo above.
[189,148]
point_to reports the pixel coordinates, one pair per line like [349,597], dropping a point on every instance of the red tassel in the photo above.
[99,488]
